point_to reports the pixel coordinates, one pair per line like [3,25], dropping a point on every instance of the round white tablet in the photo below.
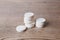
[20,28]
[41,20]
[29,14]
[30,25]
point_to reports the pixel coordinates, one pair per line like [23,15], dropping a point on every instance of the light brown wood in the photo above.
[12,12]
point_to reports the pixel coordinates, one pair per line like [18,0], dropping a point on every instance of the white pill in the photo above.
[27,22]
[20,28]
[29,14]
[31,25]
[40,22]
[40,25]
[28,17]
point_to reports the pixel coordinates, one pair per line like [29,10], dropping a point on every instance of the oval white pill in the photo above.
[20,28]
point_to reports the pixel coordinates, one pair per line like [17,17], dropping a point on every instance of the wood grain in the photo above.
[12,12]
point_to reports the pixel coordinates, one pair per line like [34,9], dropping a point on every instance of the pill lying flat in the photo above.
[28,17]
[27,22]
[40,25]
[20,28]
[40,22]
[29,14]
[31,25]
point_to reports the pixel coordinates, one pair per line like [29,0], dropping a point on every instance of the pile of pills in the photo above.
[30,22]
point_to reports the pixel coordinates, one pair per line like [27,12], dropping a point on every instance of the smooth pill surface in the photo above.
[31,25]
[41,20]
[29,14]
[20,28]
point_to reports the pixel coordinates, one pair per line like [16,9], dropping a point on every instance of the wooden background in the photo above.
[12,12]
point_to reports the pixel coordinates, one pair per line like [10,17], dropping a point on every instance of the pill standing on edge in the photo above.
[40,22]
[20,28]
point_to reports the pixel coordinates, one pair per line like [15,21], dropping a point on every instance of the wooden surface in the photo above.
[11,15]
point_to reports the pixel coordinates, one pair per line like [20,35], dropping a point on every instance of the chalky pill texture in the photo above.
[31,25]
[20,28]
[29,19]
[40,22]
[29,14]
